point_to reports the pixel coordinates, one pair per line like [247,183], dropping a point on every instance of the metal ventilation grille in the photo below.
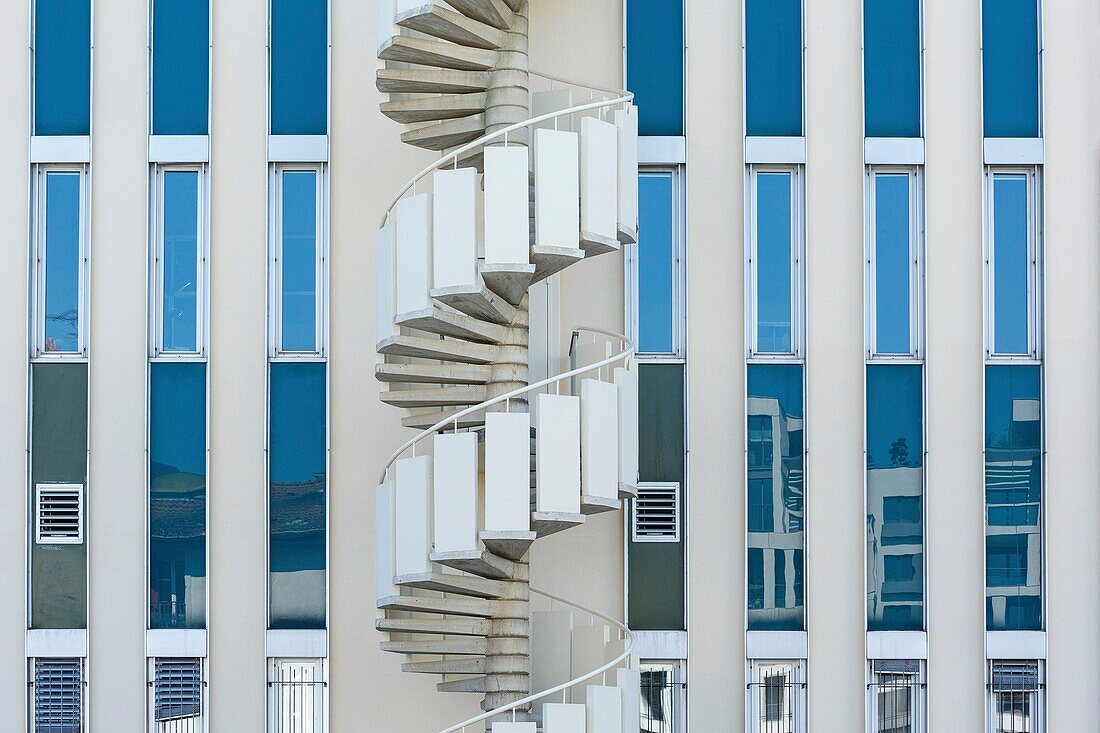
[1015,676]
[60,514]
[657,513]
[177,692]
[57,688]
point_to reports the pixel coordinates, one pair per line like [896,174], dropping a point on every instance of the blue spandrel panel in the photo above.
[655,263]
[892,264]
[891,68]
[299,67]
[63,262]
[181,67]
[62,67]
[773,67]
[776,479]
[297,512]
[180,229]
[774,264]
[1013,497]
[655,64]
[299,261]
[895,497]
[1010,264]
[1010,67]
[177,495]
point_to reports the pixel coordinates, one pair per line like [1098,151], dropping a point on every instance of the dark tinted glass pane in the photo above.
[1010,67]
[62,262]
[181,66]
[297,495]
[773,67]
[891,67]
[299,265]
[177,495]
[655,64]
[892,263]
[655,263]
[774,263]
[181,261]
[62,67]
[1010,264]
[895,494]
[299,67]
[776,468]
[1013,496]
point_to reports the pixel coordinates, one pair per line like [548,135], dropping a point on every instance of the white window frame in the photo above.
[156,309]
[276,669]
[798,262]
[796,701]
[675,487]
[201,725]
[1035,264]
[32,682]
[916,264]
[38,264]
[41,488]
[1038,717]
[678,684]
[919,699]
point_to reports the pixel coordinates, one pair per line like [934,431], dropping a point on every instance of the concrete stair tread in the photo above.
[627,491]
[455,325]
[447,626]
[594,244]
[469,665]
[446,134]
[474,646]
[433,373]
[449,396]
[450,606]
[598,504]
[478,562]
[548,523]
[432,52]
[552,260]
[442,349]
[515,5]
[449,25]
[510,545]
[626,235]
[477,301]
[508,281]
[494,12]
[495,683]
[424,420]
[432,109]
[431,81]
[466,585]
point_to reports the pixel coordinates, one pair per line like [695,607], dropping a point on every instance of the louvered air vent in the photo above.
[657,513]
[177,690]
[57,688]
[60,514]
[1015,676]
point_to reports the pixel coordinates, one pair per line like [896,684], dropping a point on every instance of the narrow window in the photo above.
[657,280]
[296,696]
[298,262]
[892,68]
[894,271]
[773,67]
[299,67]
[177,696]
[775,274]
[1012,270]
[62,67]
[180,253]
[60,262]
[664,703]
[1010,68]
[1016,697]
[181,67]
[777,697]
[896,696]
[57,695]
[655,64]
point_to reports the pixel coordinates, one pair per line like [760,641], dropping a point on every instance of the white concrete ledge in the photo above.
[299,643]
[776,645]
[893,151]
[179,148]
[1014,151]
[57,643]
[660,644]
[897,645]
[1016,644]
[61,149]
[656,150]
[175,643]
[779,150]
[297,148]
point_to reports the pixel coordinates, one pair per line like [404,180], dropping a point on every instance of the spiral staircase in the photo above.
[499,462]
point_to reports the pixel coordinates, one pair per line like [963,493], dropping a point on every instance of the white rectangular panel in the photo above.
[780,150]
[605,709]
[557,189]
[507,472]
[552,100]
[61,149]
[383,287]
[414,255]
[455,475]
[560,717]
[627,382]
[179,149]
[893,151]
[626,120]
[57,643]
[586,654]
[599,178]
[387,11]
[1014,151]
[507,214]
[413,530]
[297,148]
[599,439]
[661,150]
[897,645]
[629,682]
[776,645]
[297,643]
[175,643]
[550,641]
[515,728]
[1016,644]
[454,228]
[383,540]
[558,454]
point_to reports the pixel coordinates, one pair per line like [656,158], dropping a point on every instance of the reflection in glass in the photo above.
[774,263]
[1010,264]
[1016,687]
[181,261]
[895,488]
[775,476]
[655,263]
[662,698]
[897,694]
[177,495]
[62,259]
[297,495]
[299,265]
[1013,497]
[892,264]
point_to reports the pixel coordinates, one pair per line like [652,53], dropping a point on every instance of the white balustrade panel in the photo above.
[551,633]
[604,706]
[507,214]
[558,454]
[627,383]
[507,472]
[627,123]
[455,476]
[414,519]
[629,682]
[383,540]
[387,11]
[552,100]
[599,178]
[454,228]
[384,277]
[599,439]
[587,653]
[557,189]
[560,717]
[414,253]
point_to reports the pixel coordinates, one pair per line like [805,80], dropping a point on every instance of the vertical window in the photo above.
[1013,264]
[775,262]
[1010,68]
[181,67]
[1016,701]
[296,696]
[657,266]
[663,697]
[892,68]
[655,64]
[180,262]
[299,67]
[298,262]
[894,257]
[60,263]
[895,696]
[177,696]
[773,67]
[777,697]
[57,696]
[62,67]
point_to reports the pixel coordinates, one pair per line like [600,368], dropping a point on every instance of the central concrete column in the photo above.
[508,652]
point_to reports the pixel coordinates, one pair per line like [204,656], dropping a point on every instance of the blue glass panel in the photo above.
[655,64]
[297,495]
[1010,264]
[775,479]
[1013,496]
[177,495]
[773,67]
[774,263]
[299,67]
[181,261]
[655,263]
[62,67]
[892,263]
[299,265]
[62,301]
[1010,67]
[891,68]
[181,66]
[895,495]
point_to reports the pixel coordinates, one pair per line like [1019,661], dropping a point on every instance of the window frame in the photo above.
[799,710]
[32,683]
[203,723]
[1038,720]
[156,274]
[918,690]
[676,685]
[916,265]
[274,676]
